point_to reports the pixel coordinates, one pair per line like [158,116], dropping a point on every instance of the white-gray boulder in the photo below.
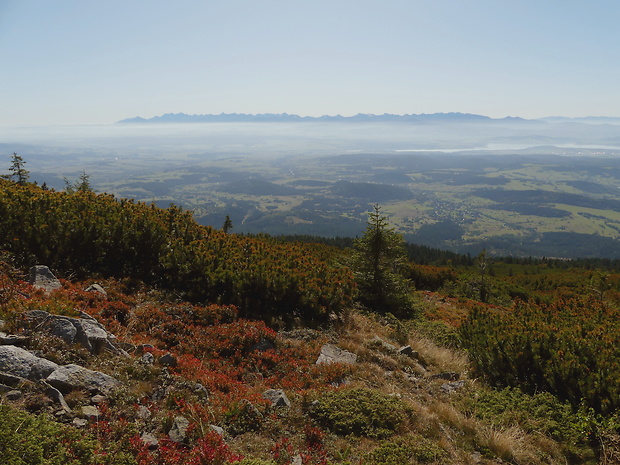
[71,377]
[19,362]
[42,278]
[332,354]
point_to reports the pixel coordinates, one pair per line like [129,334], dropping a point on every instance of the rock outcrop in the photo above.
[16,361]
[86,330]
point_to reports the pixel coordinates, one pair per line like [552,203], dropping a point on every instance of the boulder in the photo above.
[179,429]
[332,354]
[409,352]
[41,277]
[86,330]
[16,361]
[91,412]
[96,288]
[150,441]
[168,360]
[277,397]
[71,377]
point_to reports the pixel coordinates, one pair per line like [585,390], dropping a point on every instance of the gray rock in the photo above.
[79,422]
[144,413]
[168,360]
[91,335]
[332,354]
[150,441]
[96,288]
[11,380]
[70,377]
[297,460]
[451,387]
[57,396]
[277,397]
[409,352]
[16,361]
[448,376]
[147,358]
[41,277]
[97,399]
[179,429]
[91,412]
[86,330]
[14,394]
[218,429]
[61,327]
[12,340]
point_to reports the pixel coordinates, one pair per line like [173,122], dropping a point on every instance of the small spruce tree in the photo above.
[82,184]
[378,256]
[19,173]
[227,225]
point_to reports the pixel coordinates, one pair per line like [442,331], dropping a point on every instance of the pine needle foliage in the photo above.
[378,266]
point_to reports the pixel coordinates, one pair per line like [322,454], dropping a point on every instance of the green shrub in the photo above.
[34,440]
[361,412]
[405,450]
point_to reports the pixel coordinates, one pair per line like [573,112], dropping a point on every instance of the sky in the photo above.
[97,62]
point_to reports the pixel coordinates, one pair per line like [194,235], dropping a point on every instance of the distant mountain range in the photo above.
[361,117]
[285,117]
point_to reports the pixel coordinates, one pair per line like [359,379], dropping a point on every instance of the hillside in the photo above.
[199,347]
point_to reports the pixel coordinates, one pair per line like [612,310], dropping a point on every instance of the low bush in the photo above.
[361,412]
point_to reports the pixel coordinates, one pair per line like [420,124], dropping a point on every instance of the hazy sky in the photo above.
[87,61]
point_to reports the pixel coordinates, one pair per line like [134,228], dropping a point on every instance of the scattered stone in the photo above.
[332,354]
[91,412]
[80,422]
[12,340]
[451,387]
[144,413]
[57,396]
[11,380]
[378,342]
[71,377]
[97,399]
[217,429]
[168,360]
[41,277]
[277,397]
[179,429]
[96,288]
[297,460]
[150,441]
[19,362]
[14,395]
[409,352]
[147,358]
[448,376]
